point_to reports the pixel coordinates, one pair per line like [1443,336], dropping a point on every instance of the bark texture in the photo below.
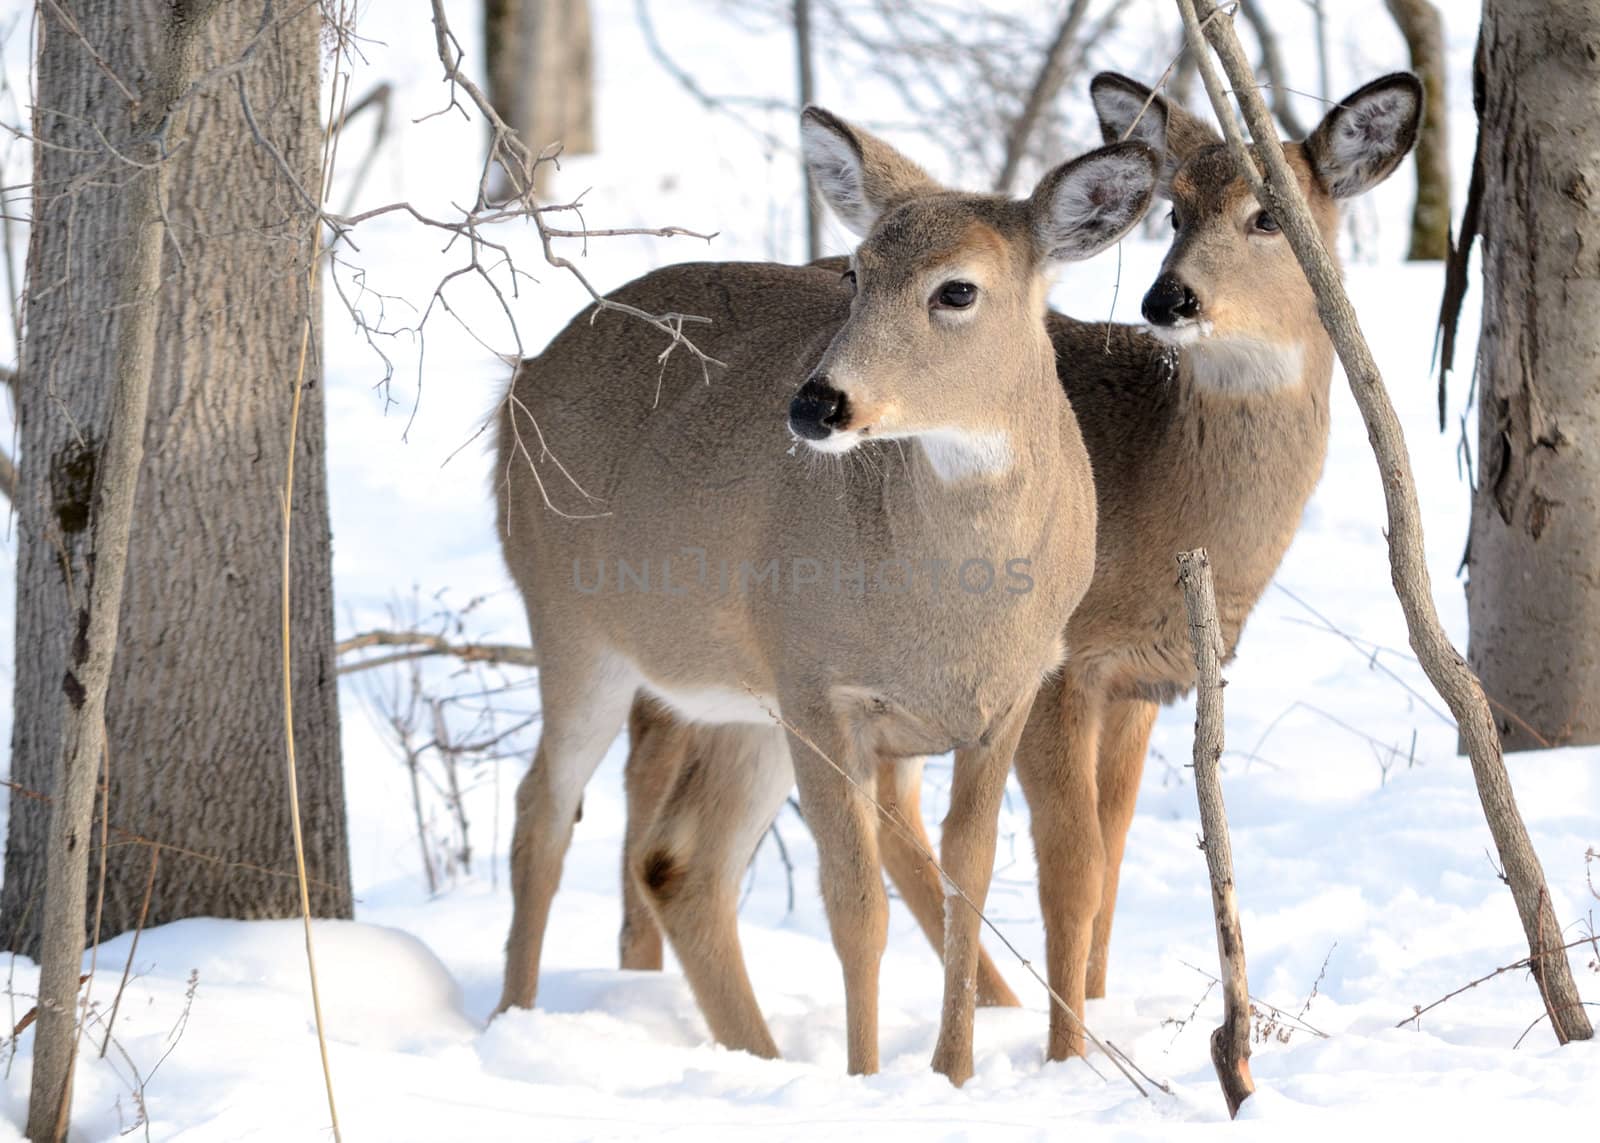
[1423,28]
[1449,673]
[1533,589]
[194,717]
[1230,1041]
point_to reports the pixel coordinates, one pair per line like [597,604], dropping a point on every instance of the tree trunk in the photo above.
[1423,28]
[194,718]
[805,84]
[540,71]
[1278,93]
[1533,595]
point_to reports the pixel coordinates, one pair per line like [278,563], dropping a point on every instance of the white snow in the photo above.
[1358,840]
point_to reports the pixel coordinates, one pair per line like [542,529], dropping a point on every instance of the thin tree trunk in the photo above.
[540,72]
[1047,82]
[1423,27]
[94,548]
[1278,93]
[193,714]
[805,82]
[1230,1042]
[1319,13]
[1533,595]
[1408,568]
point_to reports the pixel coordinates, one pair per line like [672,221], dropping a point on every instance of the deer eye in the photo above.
[849,278]
[955,295]
[1264,223]
[1172,217]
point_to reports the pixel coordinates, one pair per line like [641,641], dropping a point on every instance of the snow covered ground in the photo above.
[1364,869]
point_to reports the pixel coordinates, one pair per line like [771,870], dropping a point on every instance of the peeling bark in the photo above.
[1533,588]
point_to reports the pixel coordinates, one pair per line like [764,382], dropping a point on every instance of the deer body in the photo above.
[1208,429]
[941,353]
[1181,462]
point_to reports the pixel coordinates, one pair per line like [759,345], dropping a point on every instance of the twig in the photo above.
[423,644]
[1230,1042]
[1540,1019]
[128,836]
[1446,669]
[1419,1011]
[291,770]
[1260,1003]
[133,947]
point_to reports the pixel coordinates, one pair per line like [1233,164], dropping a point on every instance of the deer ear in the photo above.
[1362,140]
[1127,109]
[1083,206]
[858,175]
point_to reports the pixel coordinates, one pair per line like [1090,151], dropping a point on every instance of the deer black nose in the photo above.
[817,409]
[1169,301]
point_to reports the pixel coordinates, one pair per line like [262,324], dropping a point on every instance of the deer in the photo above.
[1208,426]
[904,415]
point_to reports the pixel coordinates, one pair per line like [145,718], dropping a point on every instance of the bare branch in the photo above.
[1421,1010]
[424,644]
[1230,1042]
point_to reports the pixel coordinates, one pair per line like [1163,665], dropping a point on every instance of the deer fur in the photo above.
[1206,429]
[936,347]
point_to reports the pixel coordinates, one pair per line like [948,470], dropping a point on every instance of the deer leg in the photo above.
[1124,740]
[841,817]
[967,854]
[907,851]
[689,863]
[657,743]
[1056,765]
[583,710]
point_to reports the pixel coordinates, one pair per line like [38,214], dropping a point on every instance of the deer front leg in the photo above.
[1056,766]
[967,854]
[908,856]
[1124,741]
[842,820]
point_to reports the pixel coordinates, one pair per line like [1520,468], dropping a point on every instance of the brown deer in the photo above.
[1209,429]
[723,545]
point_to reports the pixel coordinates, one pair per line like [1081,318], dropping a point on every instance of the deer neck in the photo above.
[992,483]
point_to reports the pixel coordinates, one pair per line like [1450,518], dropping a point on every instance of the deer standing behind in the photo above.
[1208,430]
[934,345]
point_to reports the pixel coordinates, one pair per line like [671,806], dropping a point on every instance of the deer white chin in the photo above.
[834,444]
[1184,331]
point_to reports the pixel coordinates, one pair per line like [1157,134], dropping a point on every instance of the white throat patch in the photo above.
[1244,365]
[955,455]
